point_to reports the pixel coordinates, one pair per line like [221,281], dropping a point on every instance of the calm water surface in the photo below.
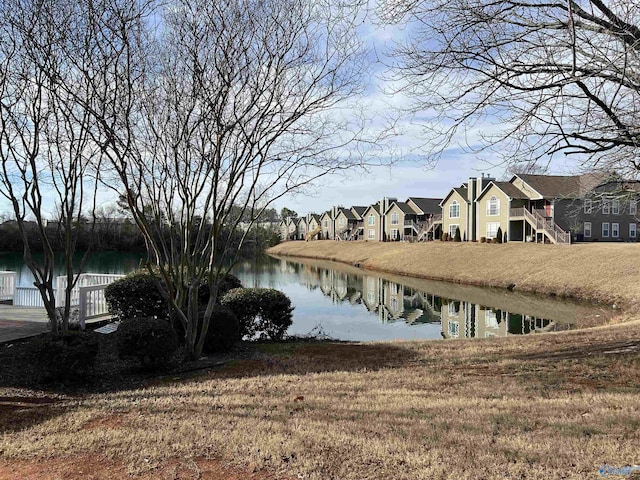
[348,303]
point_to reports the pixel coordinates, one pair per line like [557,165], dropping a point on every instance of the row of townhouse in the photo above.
[388,219]
[535,208]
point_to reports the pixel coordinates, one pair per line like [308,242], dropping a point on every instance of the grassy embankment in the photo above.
[542,406]
[606,273]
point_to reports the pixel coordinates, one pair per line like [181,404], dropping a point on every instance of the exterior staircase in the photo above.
[354,233]
[543,225]
[313,233]
[428,227]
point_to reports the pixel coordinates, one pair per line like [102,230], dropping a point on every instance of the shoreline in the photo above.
[597,273]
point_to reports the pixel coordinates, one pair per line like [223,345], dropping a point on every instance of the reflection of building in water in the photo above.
[394,302]
[462,319]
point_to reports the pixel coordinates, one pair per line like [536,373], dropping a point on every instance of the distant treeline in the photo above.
[119,235]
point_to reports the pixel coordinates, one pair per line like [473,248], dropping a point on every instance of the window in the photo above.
[394,304]
[632,230]
[615,207]
[395,219]
[606,206]
[491,320]
[454,329]
[493,207]
[588,205]
[372,219]
[587,229]
[605,230]
[633,207]
[326,223]
[454,210]
[371,234]
[341,221]
[492,229]
[452,230]
[615,230]
[394,234]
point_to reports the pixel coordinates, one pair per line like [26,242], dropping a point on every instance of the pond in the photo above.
[348,303]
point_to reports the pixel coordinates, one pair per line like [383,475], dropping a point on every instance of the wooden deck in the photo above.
[25,314]
[22,322]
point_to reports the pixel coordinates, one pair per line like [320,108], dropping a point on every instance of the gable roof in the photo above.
[347,213]
[375,207]
[508,188]
[426,205]
[559,186]
[358,210]
[404,208]
[462,191]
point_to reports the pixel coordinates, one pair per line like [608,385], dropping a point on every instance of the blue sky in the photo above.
[411,177]
[408,178]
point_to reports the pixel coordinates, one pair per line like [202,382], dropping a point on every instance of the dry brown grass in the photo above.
[538,406]
[544,406]
[602,272]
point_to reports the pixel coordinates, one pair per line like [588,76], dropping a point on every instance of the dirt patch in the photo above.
[97,467]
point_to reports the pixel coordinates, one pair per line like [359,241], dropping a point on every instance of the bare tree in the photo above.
[225,105]
[542,77]
[47,157]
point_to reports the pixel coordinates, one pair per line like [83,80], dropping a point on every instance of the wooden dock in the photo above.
[22,322]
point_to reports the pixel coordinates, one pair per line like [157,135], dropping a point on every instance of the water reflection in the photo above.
[425,308]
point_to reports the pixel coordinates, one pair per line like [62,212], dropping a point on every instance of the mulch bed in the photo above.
[19,368]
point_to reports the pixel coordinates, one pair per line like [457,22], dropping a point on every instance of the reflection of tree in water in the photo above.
[394,302]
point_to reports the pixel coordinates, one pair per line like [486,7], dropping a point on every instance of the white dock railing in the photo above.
[87,295]
[7,285]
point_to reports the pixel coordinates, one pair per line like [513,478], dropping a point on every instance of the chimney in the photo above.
[471,189]
[482,182]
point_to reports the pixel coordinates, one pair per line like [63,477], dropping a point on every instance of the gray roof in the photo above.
[559,186]
[508,188]
[462,191]
[404,207]
[359,210]
[374,206]
[347,213]
[427,205]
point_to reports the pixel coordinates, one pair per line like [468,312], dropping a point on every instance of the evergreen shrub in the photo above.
[66,357]
[262,312]
[150,340]
[224,330]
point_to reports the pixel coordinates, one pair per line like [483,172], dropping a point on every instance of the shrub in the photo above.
[483,239]
[66,357]
[152,341]
[245,304]
[136,295]
[456,237]
[499,235]
[275,313]
[445,237]
[504,239]
[224,330]
[261,312]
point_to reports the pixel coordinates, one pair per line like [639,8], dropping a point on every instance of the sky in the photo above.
[408,175]
[411,176]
